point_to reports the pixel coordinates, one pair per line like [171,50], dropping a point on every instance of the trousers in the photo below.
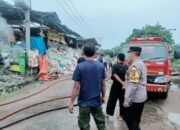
[84,117]
[116,93]
[132,115]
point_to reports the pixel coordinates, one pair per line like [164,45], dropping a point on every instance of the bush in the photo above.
[176,64]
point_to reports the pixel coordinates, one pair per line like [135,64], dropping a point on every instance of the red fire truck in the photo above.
[156,55]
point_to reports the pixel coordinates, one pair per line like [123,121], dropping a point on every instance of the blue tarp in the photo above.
[39,44]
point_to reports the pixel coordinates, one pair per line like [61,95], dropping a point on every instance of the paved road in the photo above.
[158,115]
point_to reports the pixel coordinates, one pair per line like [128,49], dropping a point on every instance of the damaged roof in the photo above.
[15,15]
[89,41]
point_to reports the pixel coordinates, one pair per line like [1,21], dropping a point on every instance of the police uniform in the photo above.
[136,93]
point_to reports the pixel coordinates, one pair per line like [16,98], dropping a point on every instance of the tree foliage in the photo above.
[153,31]
[105,51]
[118,49]
[147,31]
[176,47]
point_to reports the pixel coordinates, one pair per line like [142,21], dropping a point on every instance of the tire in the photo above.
[165,94]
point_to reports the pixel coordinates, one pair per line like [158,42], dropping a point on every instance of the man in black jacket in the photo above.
[117,91]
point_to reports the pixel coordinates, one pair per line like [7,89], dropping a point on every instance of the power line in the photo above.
[69,15]
[74,20]
[77,18]
[82,19]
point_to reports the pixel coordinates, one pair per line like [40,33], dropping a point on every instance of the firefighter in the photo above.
[135,85]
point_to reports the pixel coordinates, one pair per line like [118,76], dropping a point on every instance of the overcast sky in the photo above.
[112,21]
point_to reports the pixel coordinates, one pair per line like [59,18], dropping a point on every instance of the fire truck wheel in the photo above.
[165,94]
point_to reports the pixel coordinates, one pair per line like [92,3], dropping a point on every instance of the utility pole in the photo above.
[170,30]
[25,5]
[27,22]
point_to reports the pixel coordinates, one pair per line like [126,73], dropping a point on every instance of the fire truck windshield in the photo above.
[150,53]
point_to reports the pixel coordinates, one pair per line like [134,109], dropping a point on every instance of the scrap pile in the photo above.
[62,58]
[10,81]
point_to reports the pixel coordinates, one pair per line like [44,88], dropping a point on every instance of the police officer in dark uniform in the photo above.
[117,91]
[135,87]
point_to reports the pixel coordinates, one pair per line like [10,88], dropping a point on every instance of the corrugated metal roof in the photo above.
[15,15]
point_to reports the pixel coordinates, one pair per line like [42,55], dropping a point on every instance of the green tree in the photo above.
[116,50]
[176,47]
[147,31]
[105,51]
[153,31]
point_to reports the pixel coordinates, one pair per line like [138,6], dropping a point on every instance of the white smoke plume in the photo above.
[6,35]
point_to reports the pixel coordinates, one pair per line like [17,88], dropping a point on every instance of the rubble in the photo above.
[17,67]
[10,81]
[61,61]
[62,58]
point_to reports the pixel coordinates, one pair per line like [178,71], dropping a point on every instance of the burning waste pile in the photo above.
[5,38]
[8,55]
[44,61]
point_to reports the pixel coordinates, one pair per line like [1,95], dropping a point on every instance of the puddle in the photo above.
[175,118]
[174,87]
[176,79]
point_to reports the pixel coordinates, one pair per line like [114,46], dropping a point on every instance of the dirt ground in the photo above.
[158,114]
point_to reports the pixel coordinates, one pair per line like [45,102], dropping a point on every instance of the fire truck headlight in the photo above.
[161,79]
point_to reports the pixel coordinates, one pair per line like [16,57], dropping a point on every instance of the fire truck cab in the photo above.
[156,55]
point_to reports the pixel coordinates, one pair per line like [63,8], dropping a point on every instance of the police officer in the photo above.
[135,85]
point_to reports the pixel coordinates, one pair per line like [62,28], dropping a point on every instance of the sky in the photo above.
[112,21]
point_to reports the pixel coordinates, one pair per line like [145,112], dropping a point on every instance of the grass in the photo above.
[7,96]
[29,87]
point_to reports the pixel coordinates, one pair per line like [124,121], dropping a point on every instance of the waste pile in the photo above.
[62,58]
[10,81]
[44,60]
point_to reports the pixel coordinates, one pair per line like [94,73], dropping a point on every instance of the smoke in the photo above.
[5,29]
[6,35]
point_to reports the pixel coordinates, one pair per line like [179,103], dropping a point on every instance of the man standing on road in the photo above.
[117,91]
[89,77]
[135,85]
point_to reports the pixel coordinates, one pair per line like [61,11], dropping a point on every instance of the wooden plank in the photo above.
[54,39]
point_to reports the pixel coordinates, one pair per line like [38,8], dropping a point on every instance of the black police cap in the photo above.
[135,49]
